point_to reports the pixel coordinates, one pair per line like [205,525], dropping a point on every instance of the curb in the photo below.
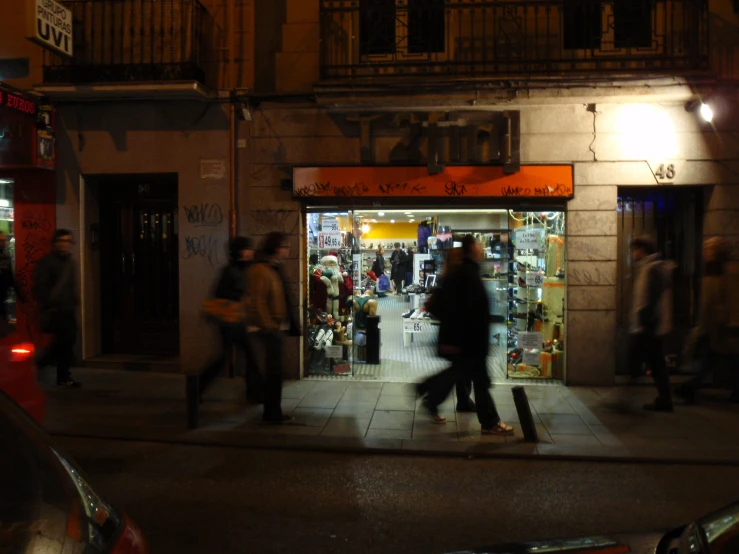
[415,447]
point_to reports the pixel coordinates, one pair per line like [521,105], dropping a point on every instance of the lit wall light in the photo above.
[701,108]
[645,132]
[365,228]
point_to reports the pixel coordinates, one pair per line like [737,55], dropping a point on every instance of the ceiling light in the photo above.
[380,213]
[392,221]
[407,213]
[6,181]
[412,220]
[373,220]
[706,112]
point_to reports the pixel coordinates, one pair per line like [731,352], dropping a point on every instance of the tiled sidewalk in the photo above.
[579,422]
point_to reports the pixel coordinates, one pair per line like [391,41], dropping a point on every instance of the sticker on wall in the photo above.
[212,169]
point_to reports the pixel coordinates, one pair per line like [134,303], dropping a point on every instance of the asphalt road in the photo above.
[192,499]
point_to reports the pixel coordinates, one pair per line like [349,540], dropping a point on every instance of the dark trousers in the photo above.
[272,346]
[408,278]
[440,386]
[709,362]
[62,326]
[645,348]
[398,285]
[234,336]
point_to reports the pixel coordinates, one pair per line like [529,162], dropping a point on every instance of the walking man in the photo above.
[270,316]
[55,291]
[651,318]
[464,299]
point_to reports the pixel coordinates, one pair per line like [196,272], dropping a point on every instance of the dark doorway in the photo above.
[139,265]
[674,217]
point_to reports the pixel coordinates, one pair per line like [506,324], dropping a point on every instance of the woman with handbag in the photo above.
[713,335]
[227,309]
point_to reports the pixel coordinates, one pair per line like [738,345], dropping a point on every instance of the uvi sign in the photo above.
[50,26]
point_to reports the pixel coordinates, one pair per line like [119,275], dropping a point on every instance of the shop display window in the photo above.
[7,250]
[370,273]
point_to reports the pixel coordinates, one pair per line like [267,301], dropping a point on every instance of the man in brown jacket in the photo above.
[269,316]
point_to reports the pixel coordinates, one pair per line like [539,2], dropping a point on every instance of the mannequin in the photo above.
[331,278]
[364,305]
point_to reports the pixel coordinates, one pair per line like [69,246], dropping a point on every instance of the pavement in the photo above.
[577,423]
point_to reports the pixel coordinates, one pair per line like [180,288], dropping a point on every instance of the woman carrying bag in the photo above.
[226,308]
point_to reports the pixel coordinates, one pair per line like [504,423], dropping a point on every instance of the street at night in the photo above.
[190,499]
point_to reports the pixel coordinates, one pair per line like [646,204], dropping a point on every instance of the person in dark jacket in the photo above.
[409,267]
[397,271]
[7,277]
[378,266]
[464,337]
[55,291]
[231,285]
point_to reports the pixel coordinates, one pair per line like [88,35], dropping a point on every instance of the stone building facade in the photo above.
[625,132]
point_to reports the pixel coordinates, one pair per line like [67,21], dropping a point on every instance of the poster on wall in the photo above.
[45,152]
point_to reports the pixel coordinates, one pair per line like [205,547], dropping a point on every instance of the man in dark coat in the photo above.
[397,272]
[464,338]
[55,291]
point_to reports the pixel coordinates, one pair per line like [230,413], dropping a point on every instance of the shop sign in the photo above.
[212,169]
[531,358]
[50,26]
[18,103]
[7,214]
[533,181]
[534,279]
[330,224]
[529,239]
[529,341]
[331,239]
[334,351]
[412,325]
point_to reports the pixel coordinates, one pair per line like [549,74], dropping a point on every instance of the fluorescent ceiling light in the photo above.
[380,213]
[392,221]
[6,181]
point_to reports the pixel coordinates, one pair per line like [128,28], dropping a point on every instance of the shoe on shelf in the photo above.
[408,314]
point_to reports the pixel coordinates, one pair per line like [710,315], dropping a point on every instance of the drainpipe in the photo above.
[232,173]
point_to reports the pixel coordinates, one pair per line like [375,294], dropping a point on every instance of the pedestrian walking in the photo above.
[270,317]
[651,318]
[713,339]
[55,291]
[463,299]
[228,309]
[397,270]
[7,278]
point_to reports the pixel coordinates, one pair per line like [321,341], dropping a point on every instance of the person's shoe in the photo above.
[280,420]
[657,406]
[70,384]
[467,408]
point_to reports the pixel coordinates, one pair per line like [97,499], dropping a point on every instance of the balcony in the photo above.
[385,39]
[127,41]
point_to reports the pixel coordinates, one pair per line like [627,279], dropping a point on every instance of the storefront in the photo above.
[27,194]
[378,240]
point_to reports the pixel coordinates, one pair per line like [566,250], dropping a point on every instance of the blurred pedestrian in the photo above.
[464,299]
[713,338]
[270,317]
[7,277]
[229,313]
[651,318]
[55,292]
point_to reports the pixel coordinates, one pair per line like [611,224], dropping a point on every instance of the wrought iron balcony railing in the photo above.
[132,40]
[484,38]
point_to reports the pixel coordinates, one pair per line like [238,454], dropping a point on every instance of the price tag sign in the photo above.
[529,341]
[534,279]
[334,351]
[330,239]
[531,357]
[529,239]
[329,224]
[413,326]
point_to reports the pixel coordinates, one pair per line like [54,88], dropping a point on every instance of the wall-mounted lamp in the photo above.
[702,108]
[365,228]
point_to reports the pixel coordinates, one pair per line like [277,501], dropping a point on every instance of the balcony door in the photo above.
[139,271]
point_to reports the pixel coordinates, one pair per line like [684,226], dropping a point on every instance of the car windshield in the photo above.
[717,533]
